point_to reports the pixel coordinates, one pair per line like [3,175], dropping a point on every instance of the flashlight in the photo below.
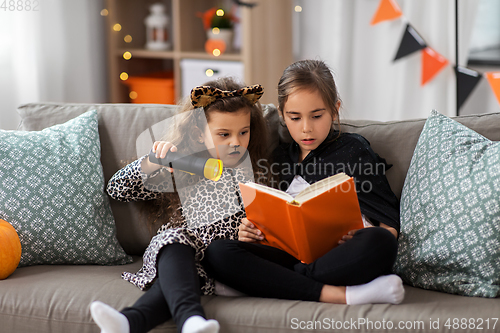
[210,168]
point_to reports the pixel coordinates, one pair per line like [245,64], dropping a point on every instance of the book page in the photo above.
[272,191]
[328,217]
[321,186]
[310,229]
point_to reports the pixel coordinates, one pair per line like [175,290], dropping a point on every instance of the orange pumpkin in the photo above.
[215,44]
[10,249]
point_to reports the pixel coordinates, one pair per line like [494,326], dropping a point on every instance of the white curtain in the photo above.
[54,54]
[371,85]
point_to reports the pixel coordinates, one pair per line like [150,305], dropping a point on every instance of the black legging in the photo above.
[175,293]
[263,271]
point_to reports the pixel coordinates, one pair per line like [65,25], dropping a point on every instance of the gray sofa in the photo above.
[56,298]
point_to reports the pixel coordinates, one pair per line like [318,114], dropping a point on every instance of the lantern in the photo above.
[156,28]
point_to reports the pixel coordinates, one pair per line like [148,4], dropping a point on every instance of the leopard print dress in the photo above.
[211,211]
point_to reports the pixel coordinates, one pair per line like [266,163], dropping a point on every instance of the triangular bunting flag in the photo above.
[467,79]
[494,80]
[432,63]
[410,43]
[387,10]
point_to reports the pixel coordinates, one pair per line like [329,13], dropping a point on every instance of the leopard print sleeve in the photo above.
[132,184]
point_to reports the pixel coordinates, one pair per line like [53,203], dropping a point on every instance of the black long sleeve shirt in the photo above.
[349,153]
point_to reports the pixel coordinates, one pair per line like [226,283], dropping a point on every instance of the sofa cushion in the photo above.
[450,212]
[420,311]
[121,124]
[392,140]
[52,194]
[56,299]
[396,140]
[119,127]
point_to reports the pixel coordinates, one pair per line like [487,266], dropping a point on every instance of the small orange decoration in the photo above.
[494,80]
[10,249]
[387,10]
[432,63]
[215,44]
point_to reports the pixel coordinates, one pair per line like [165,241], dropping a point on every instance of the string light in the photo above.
[117,27]
[127,55]
[298,9]
[216,52]
[215,31]
[219,12]
[132,95]
[127,39]
[209,72]
[124,76]
[104,12]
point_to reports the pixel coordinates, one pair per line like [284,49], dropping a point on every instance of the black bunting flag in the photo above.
[467,79]
[433,62]
[411,42]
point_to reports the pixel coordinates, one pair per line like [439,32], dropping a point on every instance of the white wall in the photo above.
[55,54]
[371,84]
[58,54]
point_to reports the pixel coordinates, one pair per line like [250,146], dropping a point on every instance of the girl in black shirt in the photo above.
[358,270]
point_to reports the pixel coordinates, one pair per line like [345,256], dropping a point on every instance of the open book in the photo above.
[309,225]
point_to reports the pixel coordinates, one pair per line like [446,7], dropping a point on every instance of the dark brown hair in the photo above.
[312,75]
[166,209]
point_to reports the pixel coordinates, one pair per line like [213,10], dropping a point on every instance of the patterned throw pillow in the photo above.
[52,192]
[450,212]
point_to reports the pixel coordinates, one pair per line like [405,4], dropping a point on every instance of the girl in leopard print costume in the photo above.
[230,126]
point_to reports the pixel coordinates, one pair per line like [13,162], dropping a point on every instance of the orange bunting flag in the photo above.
[494,81]
[432,63]
[387,10]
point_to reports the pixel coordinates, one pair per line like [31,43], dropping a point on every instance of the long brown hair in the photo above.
[166,209]
[312,75]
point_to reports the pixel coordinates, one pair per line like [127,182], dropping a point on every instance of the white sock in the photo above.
[384,289]
[198,324]
[108,319]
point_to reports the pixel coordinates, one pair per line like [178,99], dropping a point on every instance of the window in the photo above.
[485,41]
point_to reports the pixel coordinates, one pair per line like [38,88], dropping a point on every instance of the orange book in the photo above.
[309,225]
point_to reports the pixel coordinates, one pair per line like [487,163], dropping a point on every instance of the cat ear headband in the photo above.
[203,96]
